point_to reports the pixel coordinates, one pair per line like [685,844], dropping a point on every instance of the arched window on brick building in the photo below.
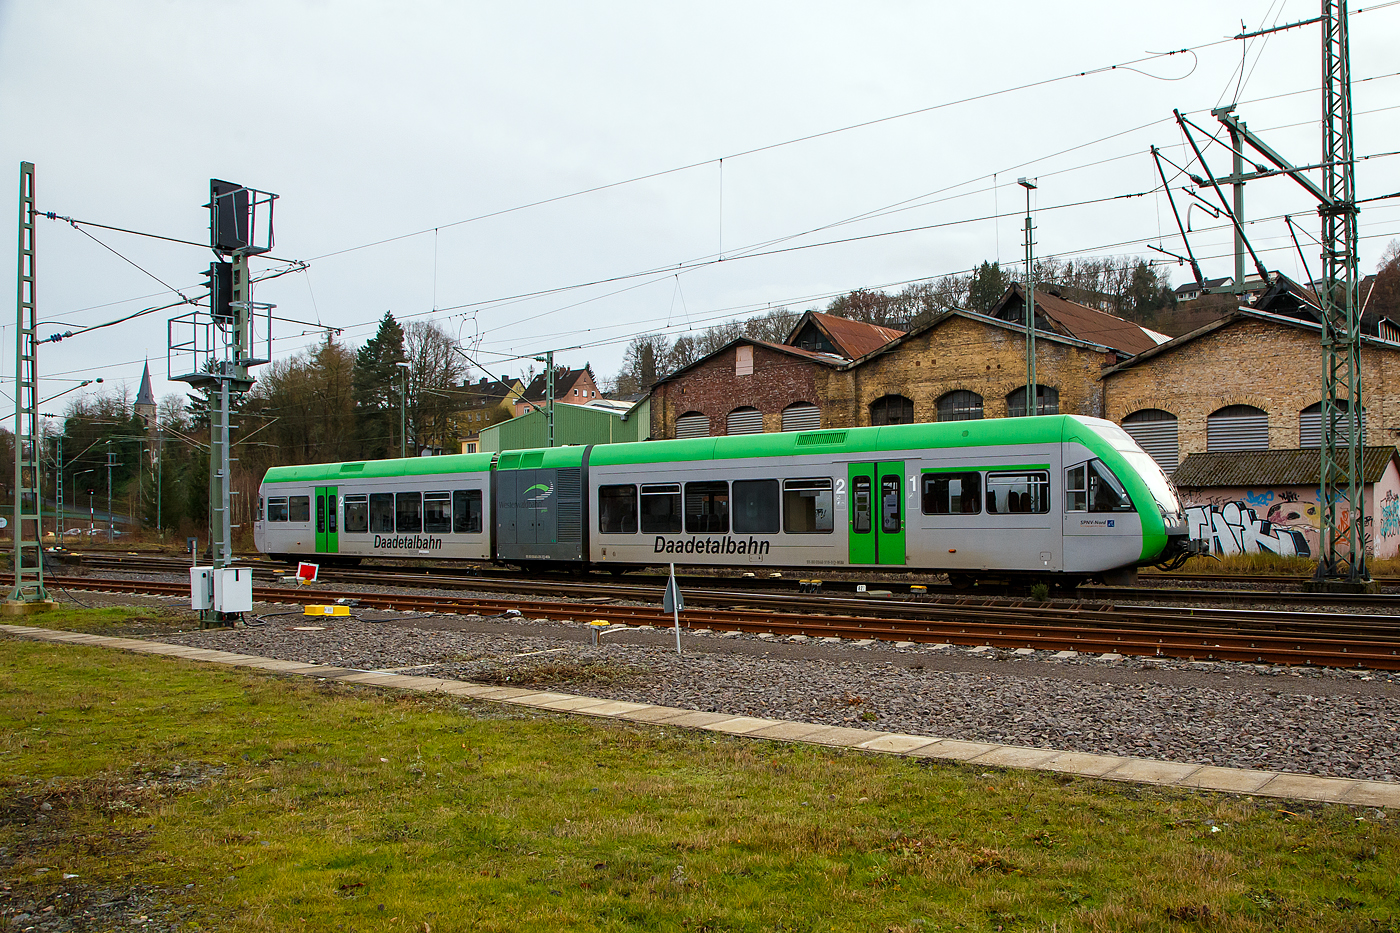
[1310,423]
[1155,431]
[1237,427]
[892,409]
[802,416]
[960,405]
[1047,401]
[693,424]
[745,420]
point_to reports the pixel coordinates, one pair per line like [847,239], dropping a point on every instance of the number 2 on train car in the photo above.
[327,521]
[876,531]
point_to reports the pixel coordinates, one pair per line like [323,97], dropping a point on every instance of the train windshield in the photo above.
[1143,464]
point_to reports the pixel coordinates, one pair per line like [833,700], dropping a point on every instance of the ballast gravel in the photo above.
[1325,722]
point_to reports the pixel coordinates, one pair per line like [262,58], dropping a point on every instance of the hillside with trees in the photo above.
[1126,286]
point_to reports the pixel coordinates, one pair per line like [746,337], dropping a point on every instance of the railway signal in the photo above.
[220,345]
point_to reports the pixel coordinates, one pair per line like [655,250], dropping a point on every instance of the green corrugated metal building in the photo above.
[573,424]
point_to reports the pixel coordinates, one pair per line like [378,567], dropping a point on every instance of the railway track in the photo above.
[1330,639]
[648,587]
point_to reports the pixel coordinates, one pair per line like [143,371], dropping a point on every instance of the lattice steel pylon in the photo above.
[1343,541]
[28,528]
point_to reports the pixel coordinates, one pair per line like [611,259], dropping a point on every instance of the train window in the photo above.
[356,515]
[261,506]
[437,512]
[807,506]
[707,508]
[1018,493]
[756,506]
[277,508]
[331,513]
[891,517]
[299,508]
[466,511]
[1092,487]
[320,513]
[408,512]
[860,504]
[952,493]
[617,509]
[661,508]
[381,512]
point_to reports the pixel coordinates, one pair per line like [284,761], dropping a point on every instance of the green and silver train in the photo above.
[1059,498]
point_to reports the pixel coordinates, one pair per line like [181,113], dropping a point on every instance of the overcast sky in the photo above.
[407,121]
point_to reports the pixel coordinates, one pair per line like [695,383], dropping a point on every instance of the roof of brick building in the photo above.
[852,339]
[485,393]
[1301,467]
[1081,321]
[563,382]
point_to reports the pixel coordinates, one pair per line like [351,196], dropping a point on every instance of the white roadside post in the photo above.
[673,602]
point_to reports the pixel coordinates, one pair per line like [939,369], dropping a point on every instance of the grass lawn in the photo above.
[213,799]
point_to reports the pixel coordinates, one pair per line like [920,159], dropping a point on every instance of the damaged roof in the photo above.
[1073,319]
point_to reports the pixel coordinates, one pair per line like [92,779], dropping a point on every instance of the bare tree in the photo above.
[435,369]
[1385,299]
[772,326]
[646,360]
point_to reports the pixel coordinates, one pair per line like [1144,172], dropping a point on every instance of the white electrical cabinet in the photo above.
[201,587]
[233,589]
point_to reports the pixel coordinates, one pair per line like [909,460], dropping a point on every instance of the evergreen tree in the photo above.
[375,387]
[988,284]
[163,505]
[1144,292]
[196,488]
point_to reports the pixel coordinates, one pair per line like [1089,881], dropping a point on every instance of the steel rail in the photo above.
[637,587]
[1085,630]
[905,608]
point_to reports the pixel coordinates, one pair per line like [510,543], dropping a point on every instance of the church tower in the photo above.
[145,406]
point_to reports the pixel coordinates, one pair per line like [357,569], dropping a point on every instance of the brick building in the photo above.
[745,387]
[571,386]
[484,403]
[962,365]
[956,366]
[1251,381]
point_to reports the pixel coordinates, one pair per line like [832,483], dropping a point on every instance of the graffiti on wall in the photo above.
[1234,527]
[1390,515]
[1277,522]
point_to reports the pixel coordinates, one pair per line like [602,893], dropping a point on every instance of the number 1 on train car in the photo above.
[876,532]
[327,524]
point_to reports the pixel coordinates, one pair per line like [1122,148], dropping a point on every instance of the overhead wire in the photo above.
[668,271]
[765,248]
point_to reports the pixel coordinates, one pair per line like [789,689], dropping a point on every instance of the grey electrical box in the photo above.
[233,589]
[201,587]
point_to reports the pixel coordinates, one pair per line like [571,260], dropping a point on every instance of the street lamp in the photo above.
[403,411]
[1032,401]
[90,498]
[75,485]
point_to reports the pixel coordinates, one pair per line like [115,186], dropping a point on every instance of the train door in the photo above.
[327,520]
[876,533]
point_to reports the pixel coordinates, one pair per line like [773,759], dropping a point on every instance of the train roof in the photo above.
[989,432]
[406,466]
[992,432]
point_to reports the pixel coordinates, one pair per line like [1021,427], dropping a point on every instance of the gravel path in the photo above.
[1328,722]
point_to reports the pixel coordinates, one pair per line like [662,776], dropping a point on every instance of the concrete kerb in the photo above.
[1187,776]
